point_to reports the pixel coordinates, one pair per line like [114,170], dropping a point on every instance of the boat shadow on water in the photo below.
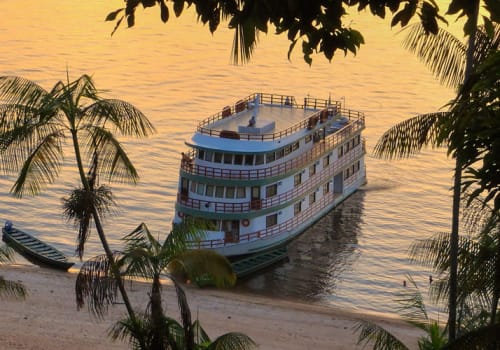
[316,259]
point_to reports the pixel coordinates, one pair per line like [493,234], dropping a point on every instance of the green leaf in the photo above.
[112,15]
[178,7]
[163,11]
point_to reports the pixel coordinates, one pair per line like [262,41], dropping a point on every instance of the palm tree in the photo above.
[414,312]
[145,257]
[7,287]
[479,268]
[35,123]
[451,61]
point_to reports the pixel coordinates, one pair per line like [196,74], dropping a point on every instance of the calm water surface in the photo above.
[178,74]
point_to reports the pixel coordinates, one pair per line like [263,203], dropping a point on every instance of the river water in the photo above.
[177,74]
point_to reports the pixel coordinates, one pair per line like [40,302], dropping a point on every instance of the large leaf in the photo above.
[96,285]
[370,333]
[410,136]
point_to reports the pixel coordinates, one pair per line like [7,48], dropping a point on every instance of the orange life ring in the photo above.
[245,222]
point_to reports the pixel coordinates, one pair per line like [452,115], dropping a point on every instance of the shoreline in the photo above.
[48,319]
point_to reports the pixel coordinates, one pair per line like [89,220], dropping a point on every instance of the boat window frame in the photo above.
[271,190]
[271,220]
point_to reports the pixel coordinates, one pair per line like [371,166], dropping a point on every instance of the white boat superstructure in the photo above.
[263,170]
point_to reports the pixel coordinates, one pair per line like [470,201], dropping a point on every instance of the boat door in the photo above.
[338,183]
[231,229]
[255,202]
[184,189]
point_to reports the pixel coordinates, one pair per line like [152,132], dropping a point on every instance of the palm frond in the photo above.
[79,208]
[185,313]
[204,264]
[432,251]
[20,91]
[141,256]
[41,167]
[412,307]
[131,330]
[200,336]
[443,53]
[114,163]
[486,44]
[435,339]
[380,338]
[12,289]
[410,136]
[96,285]
[232,341]
[5,254]
[245,39]
[83,87]
[123,116]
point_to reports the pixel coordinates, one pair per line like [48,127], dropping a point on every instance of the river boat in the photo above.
[33,249]
[261,171]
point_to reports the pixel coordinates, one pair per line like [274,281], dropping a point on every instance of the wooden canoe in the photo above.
[33,249]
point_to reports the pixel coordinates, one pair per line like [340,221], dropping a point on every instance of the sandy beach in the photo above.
[48,318]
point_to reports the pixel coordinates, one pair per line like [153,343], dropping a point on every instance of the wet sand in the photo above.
[48,318]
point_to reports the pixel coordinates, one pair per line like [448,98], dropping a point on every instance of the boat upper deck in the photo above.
[266,117]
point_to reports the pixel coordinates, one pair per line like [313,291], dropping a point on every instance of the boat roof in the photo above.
[263,122]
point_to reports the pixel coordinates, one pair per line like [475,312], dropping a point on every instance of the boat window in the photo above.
[249,159]
[271,190]
[308,138]
[287,150]
[201,154]
[312,198]
[271,220]
[346,173]
[238,159]
[209,190]
[358,139]
[228,158]
[326,188]
[341,151]
[219,191]
[193,186]
[230,192]
[200,189]
[297,179]
[240,192]
[208,156]
[326,161]
[280,153]
[218,157]
[347,147]
[259,159]
[312,170]
[297,208]
[270,157]
[295,146]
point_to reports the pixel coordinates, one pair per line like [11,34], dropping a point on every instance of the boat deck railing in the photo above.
[304,188]
[321,147]
[332,107]
[268,232]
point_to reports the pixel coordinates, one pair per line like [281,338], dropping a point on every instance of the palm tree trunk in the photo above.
[156,315]
[100,230]
[454,236]
[496,282]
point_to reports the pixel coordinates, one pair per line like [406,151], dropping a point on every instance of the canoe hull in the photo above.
[35,250]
